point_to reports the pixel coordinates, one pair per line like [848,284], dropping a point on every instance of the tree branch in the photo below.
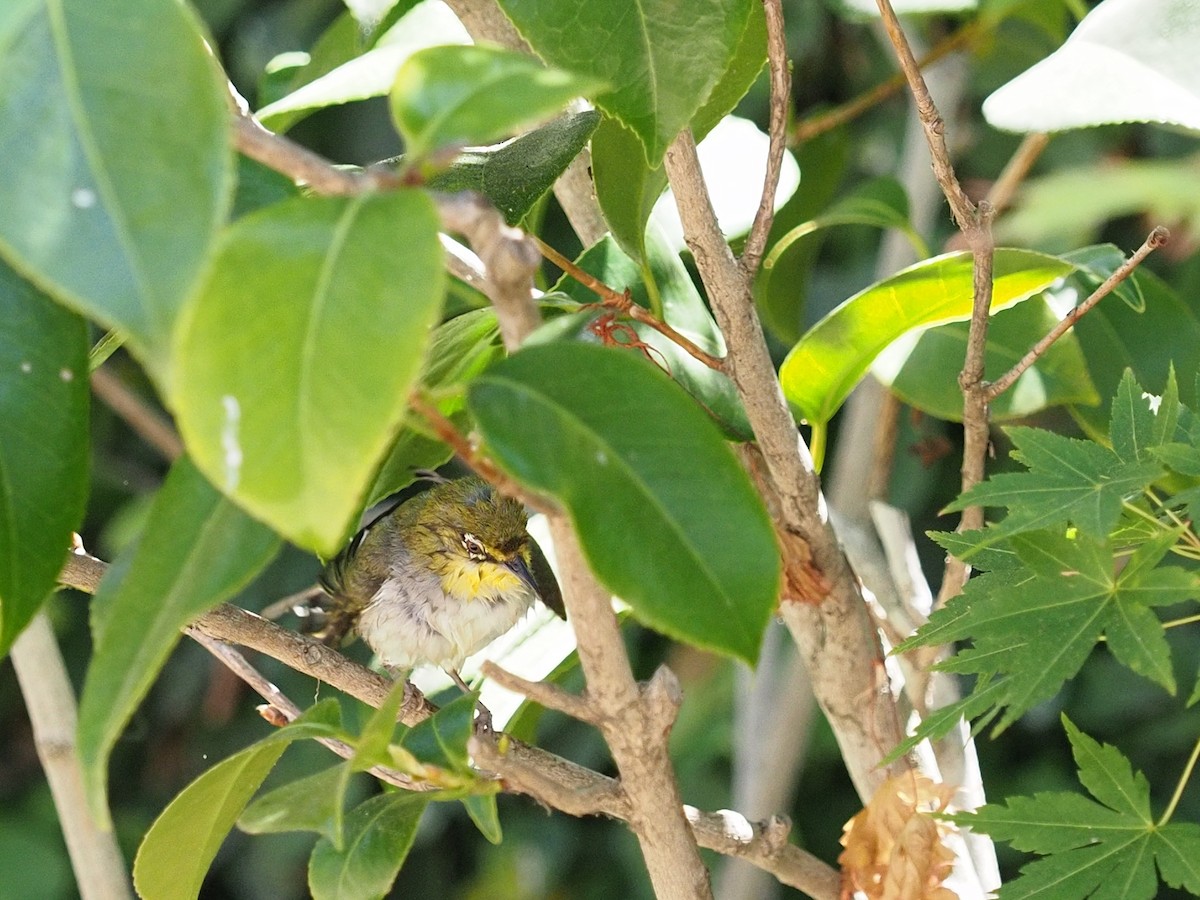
[100,872]
[781,84]
[149,425]
[832,629]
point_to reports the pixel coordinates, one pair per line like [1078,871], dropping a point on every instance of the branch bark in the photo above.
[100,872]
[833,631]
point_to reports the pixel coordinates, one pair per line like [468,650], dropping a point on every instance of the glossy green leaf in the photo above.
[43,404]
[832,357]
[690,548]
[466,95]
[516,174]
[313,803]
[297,357]
[179,847]
[379,731]
[111,196]
[197,549]
[683,308]
[1095,265]
[337,75]
[662,59]
[927,377]
[379,834]
[626,185]
[1144,55]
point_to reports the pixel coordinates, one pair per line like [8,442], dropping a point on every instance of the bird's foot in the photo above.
[483,715]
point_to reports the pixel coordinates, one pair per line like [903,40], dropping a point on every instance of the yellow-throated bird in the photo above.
[437,578]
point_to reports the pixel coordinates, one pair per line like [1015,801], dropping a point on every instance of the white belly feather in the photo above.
[412,622]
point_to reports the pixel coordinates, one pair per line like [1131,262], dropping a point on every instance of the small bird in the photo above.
[437,578]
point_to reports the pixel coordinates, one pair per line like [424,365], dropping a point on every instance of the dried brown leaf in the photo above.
[894,850]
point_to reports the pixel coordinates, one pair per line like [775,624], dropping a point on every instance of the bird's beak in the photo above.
[518,567]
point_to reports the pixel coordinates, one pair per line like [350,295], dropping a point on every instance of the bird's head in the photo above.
[475,539]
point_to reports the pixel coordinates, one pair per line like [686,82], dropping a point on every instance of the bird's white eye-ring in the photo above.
[473,547]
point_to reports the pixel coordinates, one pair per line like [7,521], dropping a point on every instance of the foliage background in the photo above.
[197,714]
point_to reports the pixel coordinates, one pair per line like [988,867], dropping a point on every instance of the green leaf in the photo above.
[43,407]
[516,174]
[335,75]
[1089,849]
[197,550]
[379,834]
[482,810]
[179,847]
[977,546]
[1143,52]
[683,308]
[691,549]
[626,185]
[1139,425]
[441,740]
[299,351]
[112,196]
[1035,626]
[1068,480]
[372,744]
[821,370]
[464,95]
[924,374]
[662,59]
[313,803]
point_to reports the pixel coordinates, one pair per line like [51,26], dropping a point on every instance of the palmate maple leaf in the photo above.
[1081,482]
[1032,627]
[1101,849]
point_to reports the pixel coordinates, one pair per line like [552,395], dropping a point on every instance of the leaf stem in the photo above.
[1183,780]
[1186,620]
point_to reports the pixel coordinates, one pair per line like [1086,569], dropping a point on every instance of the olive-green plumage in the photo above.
[438,577]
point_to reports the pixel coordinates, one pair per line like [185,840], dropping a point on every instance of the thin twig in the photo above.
[137,414]
[449,434]
[814,126]
[279,701]
[548,695]
[781,84]
[1018,166]
[623,303]
[961,206]
[1156,239]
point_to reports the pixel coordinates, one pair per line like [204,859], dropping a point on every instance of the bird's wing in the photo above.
[548,588]
[348,588]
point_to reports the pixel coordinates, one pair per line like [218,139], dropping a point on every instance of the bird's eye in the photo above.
[473,547]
